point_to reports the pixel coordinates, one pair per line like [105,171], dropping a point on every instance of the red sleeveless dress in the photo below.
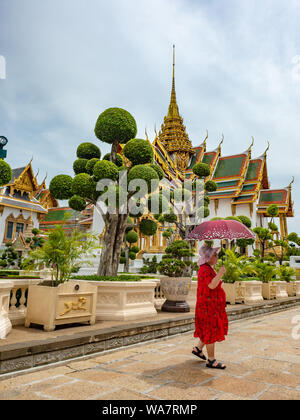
[211,322]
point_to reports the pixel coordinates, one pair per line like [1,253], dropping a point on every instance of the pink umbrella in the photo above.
[221,229]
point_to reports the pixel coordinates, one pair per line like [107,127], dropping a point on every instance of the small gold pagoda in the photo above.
[173,135]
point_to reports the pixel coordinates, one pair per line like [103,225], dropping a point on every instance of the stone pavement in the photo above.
[262,357]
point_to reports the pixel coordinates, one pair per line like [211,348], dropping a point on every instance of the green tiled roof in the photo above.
[270,197]
[194,158]
[227,184]
[252,170]
[244,197]
[58,215]
[207,158]
[248,187]
[229,167]
[221,193]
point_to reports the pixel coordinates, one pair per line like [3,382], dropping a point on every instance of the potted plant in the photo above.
[176,265]
[61,301]
[240,282]
[287,275]
[271,288]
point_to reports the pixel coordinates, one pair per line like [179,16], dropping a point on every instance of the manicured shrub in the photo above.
[181,194]
[115,125]
[203,212]
[105,169]
[132,237]
[119,159]
[88,151]
[159,171]
[61,187]
[132,256]
[246,221]
[147,174]
[135,249]
[202,170]
[79,166]
[170,218]
[273,210]
[90,165]
[211,186]
[77,203]
[5,172]
[157,202]
[148,227]
[83,185]
[138,151]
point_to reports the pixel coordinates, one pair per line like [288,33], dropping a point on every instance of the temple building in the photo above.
[23,204]
[242,180]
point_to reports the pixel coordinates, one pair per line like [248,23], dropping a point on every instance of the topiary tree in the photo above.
[130,251]
[5,172]
[264,236]
[9,257]
[98,181]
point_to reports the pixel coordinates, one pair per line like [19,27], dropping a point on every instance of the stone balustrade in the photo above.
[5,323]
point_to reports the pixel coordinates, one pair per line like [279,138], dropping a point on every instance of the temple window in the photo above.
[9,230]
[19,228]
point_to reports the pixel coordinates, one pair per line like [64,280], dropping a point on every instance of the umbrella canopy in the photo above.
[221,229]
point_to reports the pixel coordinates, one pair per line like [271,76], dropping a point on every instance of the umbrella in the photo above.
[221,229]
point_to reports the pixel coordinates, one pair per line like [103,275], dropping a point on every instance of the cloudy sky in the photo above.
[237,73]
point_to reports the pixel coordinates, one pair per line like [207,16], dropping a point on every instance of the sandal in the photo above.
[210,365]
[198,353]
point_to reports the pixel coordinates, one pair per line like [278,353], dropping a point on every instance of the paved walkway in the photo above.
[262,356]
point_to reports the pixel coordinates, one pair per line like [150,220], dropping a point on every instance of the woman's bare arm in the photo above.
[216,280]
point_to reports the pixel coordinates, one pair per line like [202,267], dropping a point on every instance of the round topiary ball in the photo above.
[122,260]
[170,218]
[79,166]
[148,227]
[202,170]
[90,165]
[211,186]
[246,221]
[105,169]
[145,173]
[206,201]
[159,171]
[115,125]
[132,256]
[83,185]
[77,203]
[5,172]
[138,151]
[132,237]
[233,218]
[135,249]
[119,159]
[157,203]
[181,194]
[136,208]
[198,185]
[61,187]
[203,212]
[88,151]
[273,210]
[130,223]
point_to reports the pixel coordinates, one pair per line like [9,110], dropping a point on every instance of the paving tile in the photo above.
[140,384]
[85,364]
[177,391]
[271,377]
[124,395]
[279,393]
[94,375]
[80,390]
[237,386]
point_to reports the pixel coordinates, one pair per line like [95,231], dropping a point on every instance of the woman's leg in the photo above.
[211,353]
[200,346]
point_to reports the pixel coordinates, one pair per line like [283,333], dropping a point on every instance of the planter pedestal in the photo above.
[70,302]
[253,292]
[235,292]
[293,288]
[274,290]
[175,290]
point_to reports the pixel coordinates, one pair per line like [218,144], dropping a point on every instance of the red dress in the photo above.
[211,322]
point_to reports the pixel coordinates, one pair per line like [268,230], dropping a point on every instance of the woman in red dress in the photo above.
[211,322]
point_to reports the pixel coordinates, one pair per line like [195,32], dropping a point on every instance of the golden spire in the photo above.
[173,107]
[173,132]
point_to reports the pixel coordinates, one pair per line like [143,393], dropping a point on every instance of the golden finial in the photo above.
[252,143]
[206,136]
[222,141]
[293,180]
[173,108]
[268,148]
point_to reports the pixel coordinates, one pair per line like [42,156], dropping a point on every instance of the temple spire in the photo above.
[173,107]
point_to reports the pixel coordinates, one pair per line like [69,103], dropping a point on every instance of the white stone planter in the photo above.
[293,288]
[68,303]
[235,292]
[274,290]
[192,296]
[253,292]
[176,290]
[5,323]
[124,301]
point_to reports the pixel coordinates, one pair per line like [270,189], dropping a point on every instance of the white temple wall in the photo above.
[16,213]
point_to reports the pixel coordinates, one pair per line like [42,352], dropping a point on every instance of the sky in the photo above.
[63,62]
